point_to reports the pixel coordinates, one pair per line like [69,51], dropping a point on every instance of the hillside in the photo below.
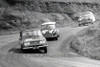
[80,1]
[32,13]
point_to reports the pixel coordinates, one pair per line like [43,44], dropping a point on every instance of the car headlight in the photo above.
[27,43]
[41,42]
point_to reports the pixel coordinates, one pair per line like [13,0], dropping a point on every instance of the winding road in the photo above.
[58,55]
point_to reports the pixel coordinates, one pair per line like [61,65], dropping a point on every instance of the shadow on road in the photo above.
[19,51]
[50,39]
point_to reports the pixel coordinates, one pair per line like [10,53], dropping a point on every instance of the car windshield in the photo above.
[30,34]
[48,27]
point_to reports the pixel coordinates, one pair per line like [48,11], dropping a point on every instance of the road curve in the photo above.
[11,56]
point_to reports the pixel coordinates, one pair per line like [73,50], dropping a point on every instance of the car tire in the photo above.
[59,35]
[91,22]
[22,49]
[47,39]
[79,24]
[56,38]
[45,49]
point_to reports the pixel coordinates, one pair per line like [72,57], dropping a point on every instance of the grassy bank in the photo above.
[87,42]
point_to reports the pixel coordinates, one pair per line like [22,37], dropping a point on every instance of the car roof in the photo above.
[87,13]
[48,23]
[31,32]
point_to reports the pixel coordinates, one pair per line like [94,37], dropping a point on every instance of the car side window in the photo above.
[44,27]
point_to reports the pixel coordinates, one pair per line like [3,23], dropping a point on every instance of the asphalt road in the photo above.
[57,56]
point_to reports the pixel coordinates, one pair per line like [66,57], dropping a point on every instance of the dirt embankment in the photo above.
[87,42]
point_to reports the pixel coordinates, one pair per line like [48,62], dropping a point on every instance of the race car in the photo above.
[32,39]
[49,30]
[86,18]
[85,22]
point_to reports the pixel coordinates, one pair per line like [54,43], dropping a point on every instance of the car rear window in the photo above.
[48,27]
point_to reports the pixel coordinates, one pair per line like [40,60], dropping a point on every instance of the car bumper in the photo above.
[52,36]
[34,47]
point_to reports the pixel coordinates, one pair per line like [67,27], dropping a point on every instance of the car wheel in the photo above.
[45,49]
[58,35]
[56,38]
[79,24]
[22,49]
[47,39]
[91,22]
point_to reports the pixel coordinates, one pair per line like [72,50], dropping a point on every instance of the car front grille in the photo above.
[35,42]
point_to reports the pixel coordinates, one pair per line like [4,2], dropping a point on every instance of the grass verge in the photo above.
[87,42]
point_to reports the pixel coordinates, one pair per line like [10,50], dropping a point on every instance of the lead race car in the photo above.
[49,30]
[32,39]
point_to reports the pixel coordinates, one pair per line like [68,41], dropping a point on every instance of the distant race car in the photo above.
[49,30]
[85,22]
[32,39]
[86,18]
